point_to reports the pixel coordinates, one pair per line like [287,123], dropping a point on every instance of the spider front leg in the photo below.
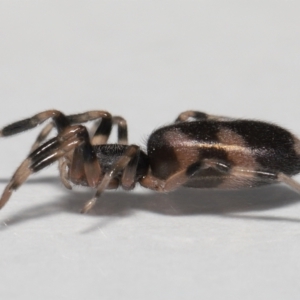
[59,120]
[101,131]
[46,154]
[42,136]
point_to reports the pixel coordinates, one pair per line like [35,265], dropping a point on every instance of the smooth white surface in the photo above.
[148,61]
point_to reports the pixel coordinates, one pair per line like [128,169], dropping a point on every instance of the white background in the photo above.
[148,61]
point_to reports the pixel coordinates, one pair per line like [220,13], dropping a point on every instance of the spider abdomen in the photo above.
[232,145]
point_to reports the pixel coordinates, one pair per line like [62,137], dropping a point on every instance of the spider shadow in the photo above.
[182,202]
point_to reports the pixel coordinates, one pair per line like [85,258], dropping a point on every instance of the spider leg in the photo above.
[199,116]
[100,131]
[59,119]
[181,177]
[64,166]
[77,119]
[289,181]
[129,174]
[42,136]
[231,177]
[127,160]
[101,135]
[104,128]
[62,162]
[122,130]
[51,151]
[160,185]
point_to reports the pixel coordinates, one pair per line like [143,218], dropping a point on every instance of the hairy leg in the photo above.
[51,151]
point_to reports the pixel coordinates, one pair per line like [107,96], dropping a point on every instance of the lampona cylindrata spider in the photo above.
[197,150]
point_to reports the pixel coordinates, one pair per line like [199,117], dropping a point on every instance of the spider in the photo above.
[197,150]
